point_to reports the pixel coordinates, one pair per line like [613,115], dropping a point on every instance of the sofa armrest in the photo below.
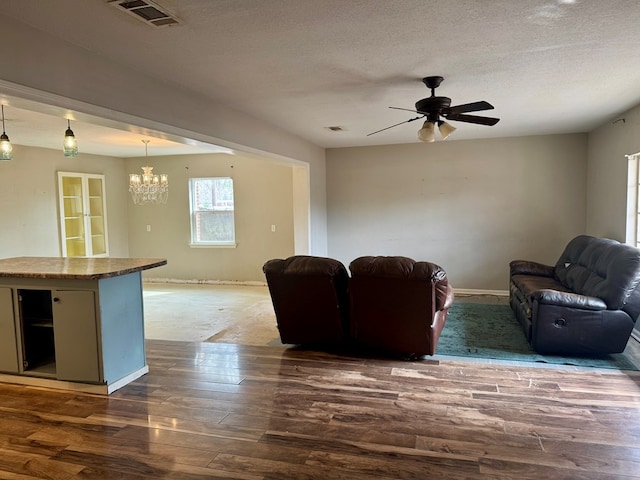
[567,299]
[525,267]
[444,298]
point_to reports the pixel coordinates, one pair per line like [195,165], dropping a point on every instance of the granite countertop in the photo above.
[78,268]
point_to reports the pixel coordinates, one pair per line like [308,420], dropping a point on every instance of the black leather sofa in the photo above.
[588,302]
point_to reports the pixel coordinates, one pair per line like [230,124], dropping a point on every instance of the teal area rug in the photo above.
[492,332]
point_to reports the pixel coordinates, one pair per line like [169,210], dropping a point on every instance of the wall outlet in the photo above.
[148,228]
[273,228]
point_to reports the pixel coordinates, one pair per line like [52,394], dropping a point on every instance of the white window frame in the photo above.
[195,243]
[633,200]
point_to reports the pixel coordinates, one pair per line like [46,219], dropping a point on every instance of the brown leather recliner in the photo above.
[310,299]
[398,305]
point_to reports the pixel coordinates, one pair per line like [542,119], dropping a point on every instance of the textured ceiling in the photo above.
[548,66]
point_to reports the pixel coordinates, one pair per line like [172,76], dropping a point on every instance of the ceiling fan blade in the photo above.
[387,128]
[405,109]
[470,107]
[472,119]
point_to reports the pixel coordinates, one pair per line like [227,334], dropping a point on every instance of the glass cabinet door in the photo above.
[83,220]
[73,217]
[97,216]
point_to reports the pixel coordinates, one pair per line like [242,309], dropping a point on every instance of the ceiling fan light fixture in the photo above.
[446,129]
[435,106]
[427,132]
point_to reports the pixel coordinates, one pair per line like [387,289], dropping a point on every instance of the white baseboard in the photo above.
[471,292]
[456,291]
[97,388]
[112,387]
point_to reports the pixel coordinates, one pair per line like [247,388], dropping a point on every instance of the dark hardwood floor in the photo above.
[212,411]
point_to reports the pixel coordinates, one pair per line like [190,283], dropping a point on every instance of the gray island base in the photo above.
[73,323]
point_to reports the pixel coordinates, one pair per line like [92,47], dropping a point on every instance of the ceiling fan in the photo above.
[435,107]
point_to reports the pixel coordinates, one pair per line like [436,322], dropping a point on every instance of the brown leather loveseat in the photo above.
[588,302]
[392,304]
[398,304]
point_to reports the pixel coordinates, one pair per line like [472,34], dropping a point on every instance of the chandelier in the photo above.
[148,187]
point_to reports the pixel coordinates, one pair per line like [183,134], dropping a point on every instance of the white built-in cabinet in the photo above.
[83,215]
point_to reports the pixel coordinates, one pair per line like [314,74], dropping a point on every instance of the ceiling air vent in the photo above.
[146,11]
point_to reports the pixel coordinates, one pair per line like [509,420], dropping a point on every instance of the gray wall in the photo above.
[607,180]
[44,68]
[263,197]
[470,206]
[29,200]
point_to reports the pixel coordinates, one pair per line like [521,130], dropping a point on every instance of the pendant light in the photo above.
[70,145]
[6,150]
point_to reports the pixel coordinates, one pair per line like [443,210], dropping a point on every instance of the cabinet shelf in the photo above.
[44,368]
[40,323]
[32,319]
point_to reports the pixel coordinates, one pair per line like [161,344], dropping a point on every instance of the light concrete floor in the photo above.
[236,314]
[239,314]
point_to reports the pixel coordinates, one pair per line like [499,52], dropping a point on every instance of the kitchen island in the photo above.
[73,323]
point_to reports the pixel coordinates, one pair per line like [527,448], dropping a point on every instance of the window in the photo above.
[633,200]
[212,211]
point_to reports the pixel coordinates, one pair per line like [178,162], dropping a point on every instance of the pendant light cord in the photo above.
[3,120]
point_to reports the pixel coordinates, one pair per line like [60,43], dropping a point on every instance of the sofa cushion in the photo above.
[600,267]
[529,284]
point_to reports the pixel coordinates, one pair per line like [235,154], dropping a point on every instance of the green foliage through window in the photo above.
[212,211]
